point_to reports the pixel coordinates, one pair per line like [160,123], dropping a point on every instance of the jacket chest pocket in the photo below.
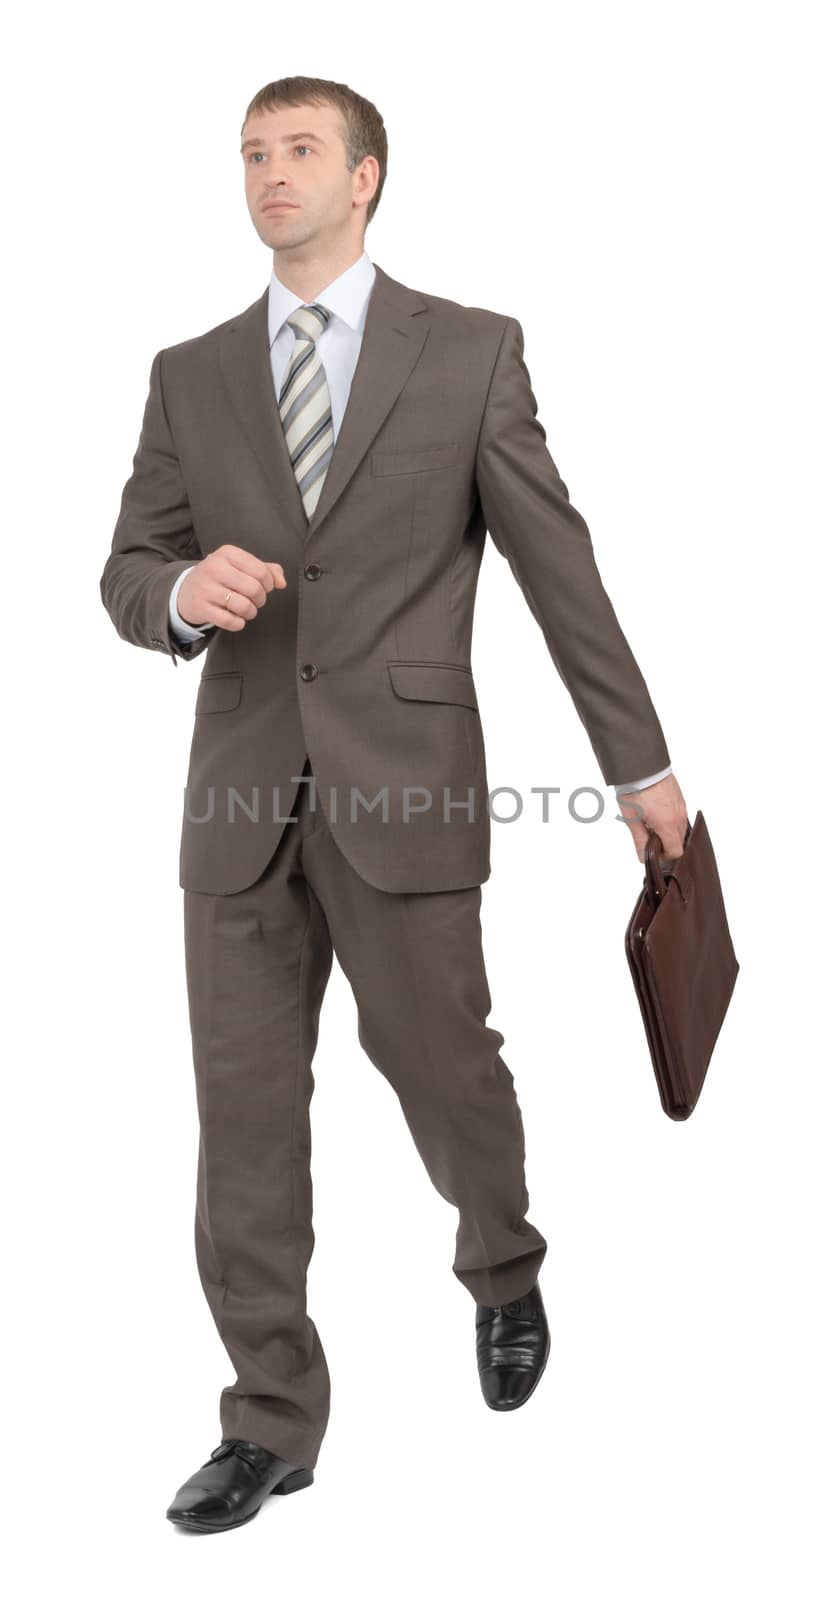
[430,458]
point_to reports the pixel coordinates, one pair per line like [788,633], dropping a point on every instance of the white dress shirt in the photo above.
[347,299]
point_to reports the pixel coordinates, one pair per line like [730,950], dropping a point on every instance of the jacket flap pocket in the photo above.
[433,680]
[386,462]
[219,691]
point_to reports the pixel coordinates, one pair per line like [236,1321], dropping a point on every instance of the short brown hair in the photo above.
[364,130]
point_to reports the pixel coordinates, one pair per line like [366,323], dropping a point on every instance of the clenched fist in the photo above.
[227,587]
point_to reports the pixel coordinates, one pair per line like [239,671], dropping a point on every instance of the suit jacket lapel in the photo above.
[394,336]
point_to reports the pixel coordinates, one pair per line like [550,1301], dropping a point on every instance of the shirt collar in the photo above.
[347,297]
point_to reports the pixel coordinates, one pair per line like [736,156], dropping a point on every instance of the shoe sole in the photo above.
[300,1479]
[530,1392]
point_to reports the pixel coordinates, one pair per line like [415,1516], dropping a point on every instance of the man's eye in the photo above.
[303,147]
[254,154]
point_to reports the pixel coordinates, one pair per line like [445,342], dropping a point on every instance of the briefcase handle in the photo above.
[656,876]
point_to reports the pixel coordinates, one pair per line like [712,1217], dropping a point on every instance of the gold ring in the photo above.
[228,596]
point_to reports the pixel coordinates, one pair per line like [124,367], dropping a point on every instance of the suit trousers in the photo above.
[257,965]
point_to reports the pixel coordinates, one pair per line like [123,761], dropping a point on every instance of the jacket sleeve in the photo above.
[547,543]
[154,538]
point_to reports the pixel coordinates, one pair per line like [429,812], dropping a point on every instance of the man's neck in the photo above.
[308,278]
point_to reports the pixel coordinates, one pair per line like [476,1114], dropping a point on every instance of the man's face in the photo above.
[297,186]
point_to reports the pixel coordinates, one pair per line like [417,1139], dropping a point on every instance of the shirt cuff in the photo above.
[185,631]
[642,783]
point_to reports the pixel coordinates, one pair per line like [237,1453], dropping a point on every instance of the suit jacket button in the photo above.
[309,671]
[312,571]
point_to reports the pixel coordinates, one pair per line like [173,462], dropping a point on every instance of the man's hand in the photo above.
[662,808]
[201,596]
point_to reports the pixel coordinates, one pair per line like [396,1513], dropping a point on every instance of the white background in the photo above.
[636,184]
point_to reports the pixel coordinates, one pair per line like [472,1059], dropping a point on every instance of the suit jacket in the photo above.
[363,661]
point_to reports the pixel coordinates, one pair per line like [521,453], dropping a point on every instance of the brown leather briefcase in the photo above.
[683,964]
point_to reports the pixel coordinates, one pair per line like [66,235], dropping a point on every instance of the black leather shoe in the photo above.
[230,1487]
[512,1345]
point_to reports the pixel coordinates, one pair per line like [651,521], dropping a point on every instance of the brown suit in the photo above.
[359,670]
[364,659]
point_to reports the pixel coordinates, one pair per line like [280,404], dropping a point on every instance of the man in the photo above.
[354,439]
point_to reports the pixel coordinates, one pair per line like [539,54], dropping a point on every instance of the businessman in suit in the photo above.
[355,440]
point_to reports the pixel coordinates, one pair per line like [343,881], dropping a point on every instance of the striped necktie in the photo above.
[304,406]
